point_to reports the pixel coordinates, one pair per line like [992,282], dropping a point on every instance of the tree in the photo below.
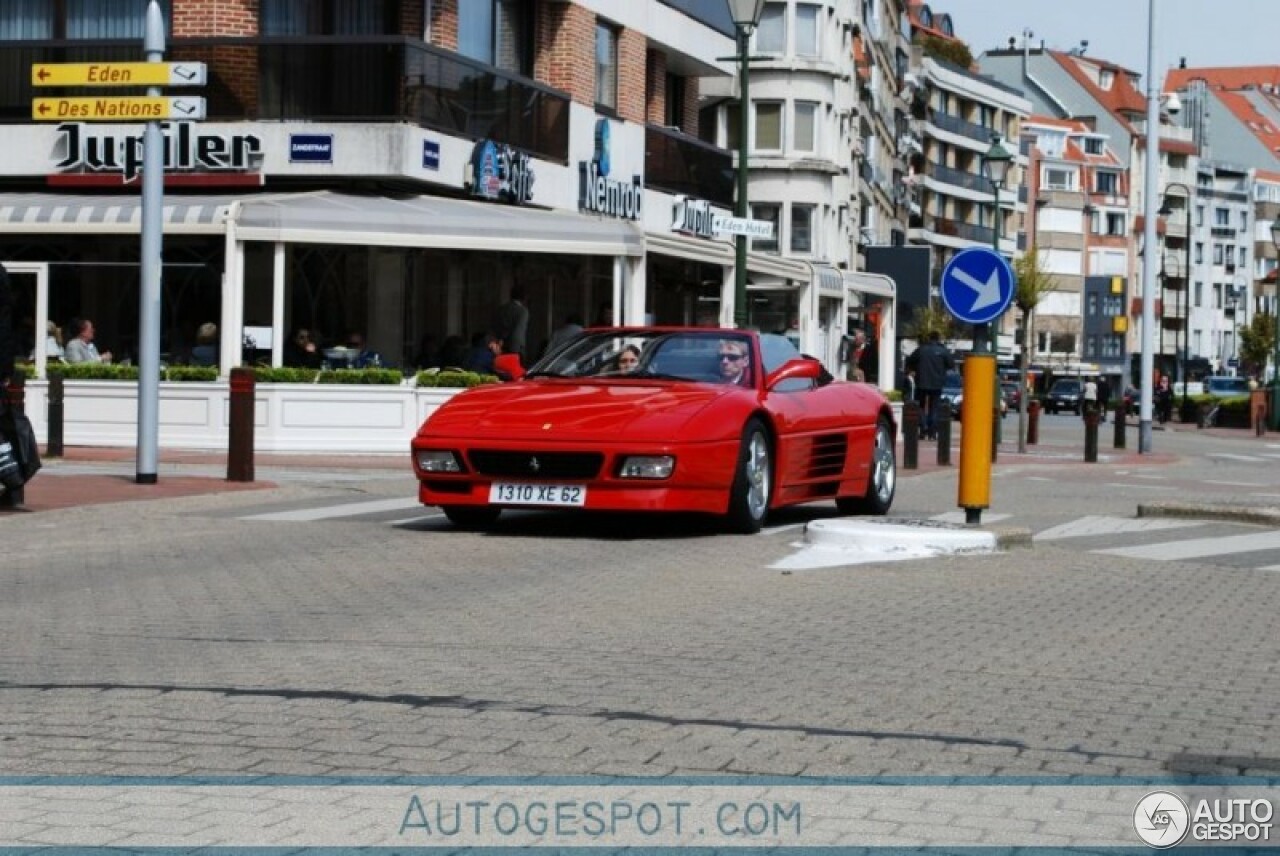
[931,318]
[955,52]
[1031,283]
[1257,341]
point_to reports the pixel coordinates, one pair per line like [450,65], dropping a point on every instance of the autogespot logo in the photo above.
[1161,819]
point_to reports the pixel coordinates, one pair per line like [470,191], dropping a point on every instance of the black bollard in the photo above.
[1033,422]
[944,433]
[1091,434]
[240,433]
[1120,423]
[55,415]
[910,435]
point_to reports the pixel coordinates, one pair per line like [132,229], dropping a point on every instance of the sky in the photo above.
[1206,32]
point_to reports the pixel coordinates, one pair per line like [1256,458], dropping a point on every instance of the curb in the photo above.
[1012,537]
[1265,515]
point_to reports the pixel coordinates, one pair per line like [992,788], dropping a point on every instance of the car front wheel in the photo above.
[883,480]
[752,481]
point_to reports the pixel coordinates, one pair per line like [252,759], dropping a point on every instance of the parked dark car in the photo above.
[953,392]
[1065,394]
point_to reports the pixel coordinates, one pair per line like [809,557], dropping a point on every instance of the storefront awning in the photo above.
[431,222]
[692,249]
[67,213]
[326,217]
[830,281]
[870,283]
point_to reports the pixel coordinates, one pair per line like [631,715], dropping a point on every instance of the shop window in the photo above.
[770,214]
[26,20]
[803,135]
[606,66]
[801,228]
[768,126]
[771,32]
[497,33]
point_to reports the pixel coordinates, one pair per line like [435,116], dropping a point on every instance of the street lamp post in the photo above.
[1275,345]
[995,166]
[746,15]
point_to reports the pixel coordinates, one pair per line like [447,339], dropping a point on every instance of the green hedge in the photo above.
[111,371]
[894,395]
[453,378]
[286,374]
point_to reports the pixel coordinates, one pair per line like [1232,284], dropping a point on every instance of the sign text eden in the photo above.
[119,74]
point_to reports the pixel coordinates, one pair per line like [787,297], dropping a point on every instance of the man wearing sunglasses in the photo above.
[734,361]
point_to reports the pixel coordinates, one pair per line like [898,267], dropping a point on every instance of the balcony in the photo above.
[383,79]
[679,163]
[947,122]
[958,178]
[967,231]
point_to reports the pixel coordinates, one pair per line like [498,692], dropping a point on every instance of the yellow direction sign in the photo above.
[120,108]
[119,74]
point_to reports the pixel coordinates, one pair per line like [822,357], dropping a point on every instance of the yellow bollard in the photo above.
[976,411]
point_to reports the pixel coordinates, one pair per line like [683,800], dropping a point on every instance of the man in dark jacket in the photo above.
[930,362]
[10,500]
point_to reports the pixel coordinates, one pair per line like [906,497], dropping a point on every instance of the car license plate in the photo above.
[508,493]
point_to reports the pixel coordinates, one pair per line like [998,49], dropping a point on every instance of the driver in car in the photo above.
[734,361]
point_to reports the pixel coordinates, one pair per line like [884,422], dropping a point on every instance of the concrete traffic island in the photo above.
[1266,515]
[856,541]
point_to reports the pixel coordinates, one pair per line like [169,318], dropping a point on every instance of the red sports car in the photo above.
[725,422]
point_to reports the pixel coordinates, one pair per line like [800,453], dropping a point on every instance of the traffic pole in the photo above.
[976,435]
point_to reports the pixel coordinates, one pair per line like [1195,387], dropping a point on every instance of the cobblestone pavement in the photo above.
[179,637]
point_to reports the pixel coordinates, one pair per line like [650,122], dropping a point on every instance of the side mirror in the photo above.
[798,368]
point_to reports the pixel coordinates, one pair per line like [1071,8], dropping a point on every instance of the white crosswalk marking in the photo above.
[1228,456]
[1102,525]
[1197,548]
[347,509]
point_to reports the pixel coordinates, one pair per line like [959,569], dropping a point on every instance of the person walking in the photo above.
[930,362]
[13,498]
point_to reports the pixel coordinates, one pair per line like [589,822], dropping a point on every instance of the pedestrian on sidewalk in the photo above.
[931,362]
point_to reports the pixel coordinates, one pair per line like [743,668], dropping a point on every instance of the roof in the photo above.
[1247,113]
[1234,77]
[940,22]
[1121,100]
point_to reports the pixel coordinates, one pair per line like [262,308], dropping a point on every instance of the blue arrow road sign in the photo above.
[977,285]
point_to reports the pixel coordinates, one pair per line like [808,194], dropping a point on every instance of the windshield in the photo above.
[713,356]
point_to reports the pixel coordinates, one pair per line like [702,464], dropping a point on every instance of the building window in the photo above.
[1244,221]
[606,66]
[770,214]
[1106,182]
[1112,346]
[1092,304]
[1217,254]
[496,32]
[1059,179]
[1092,146]
[1091,347]
[1217,295]
[1199,215]
[677,89]
[1199,253]
[771,32]
[768,131]
[26,20]
[1244,256]
[324,17]
[1199,294]
[804,138]
[807,30]
[1221,217]
[801,228]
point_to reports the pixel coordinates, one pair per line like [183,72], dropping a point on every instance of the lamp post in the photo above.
[995,166]
[746,15]
[1275,345]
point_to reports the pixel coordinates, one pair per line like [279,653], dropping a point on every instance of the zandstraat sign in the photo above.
[598,192]
[84,150]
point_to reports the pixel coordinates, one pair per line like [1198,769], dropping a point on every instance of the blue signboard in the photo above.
[977,285]
[311,148]
[430,154]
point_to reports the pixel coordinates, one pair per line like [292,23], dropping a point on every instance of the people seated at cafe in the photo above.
[359,355]
[82,349]
[302,351]
[205,352]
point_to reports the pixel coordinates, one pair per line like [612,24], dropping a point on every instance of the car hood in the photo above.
[567,411]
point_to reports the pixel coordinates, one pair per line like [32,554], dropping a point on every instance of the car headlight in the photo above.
[647,467]
[432,461]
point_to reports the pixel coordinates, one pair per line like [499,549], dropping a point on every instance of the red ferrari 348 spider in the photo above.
[724,422]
